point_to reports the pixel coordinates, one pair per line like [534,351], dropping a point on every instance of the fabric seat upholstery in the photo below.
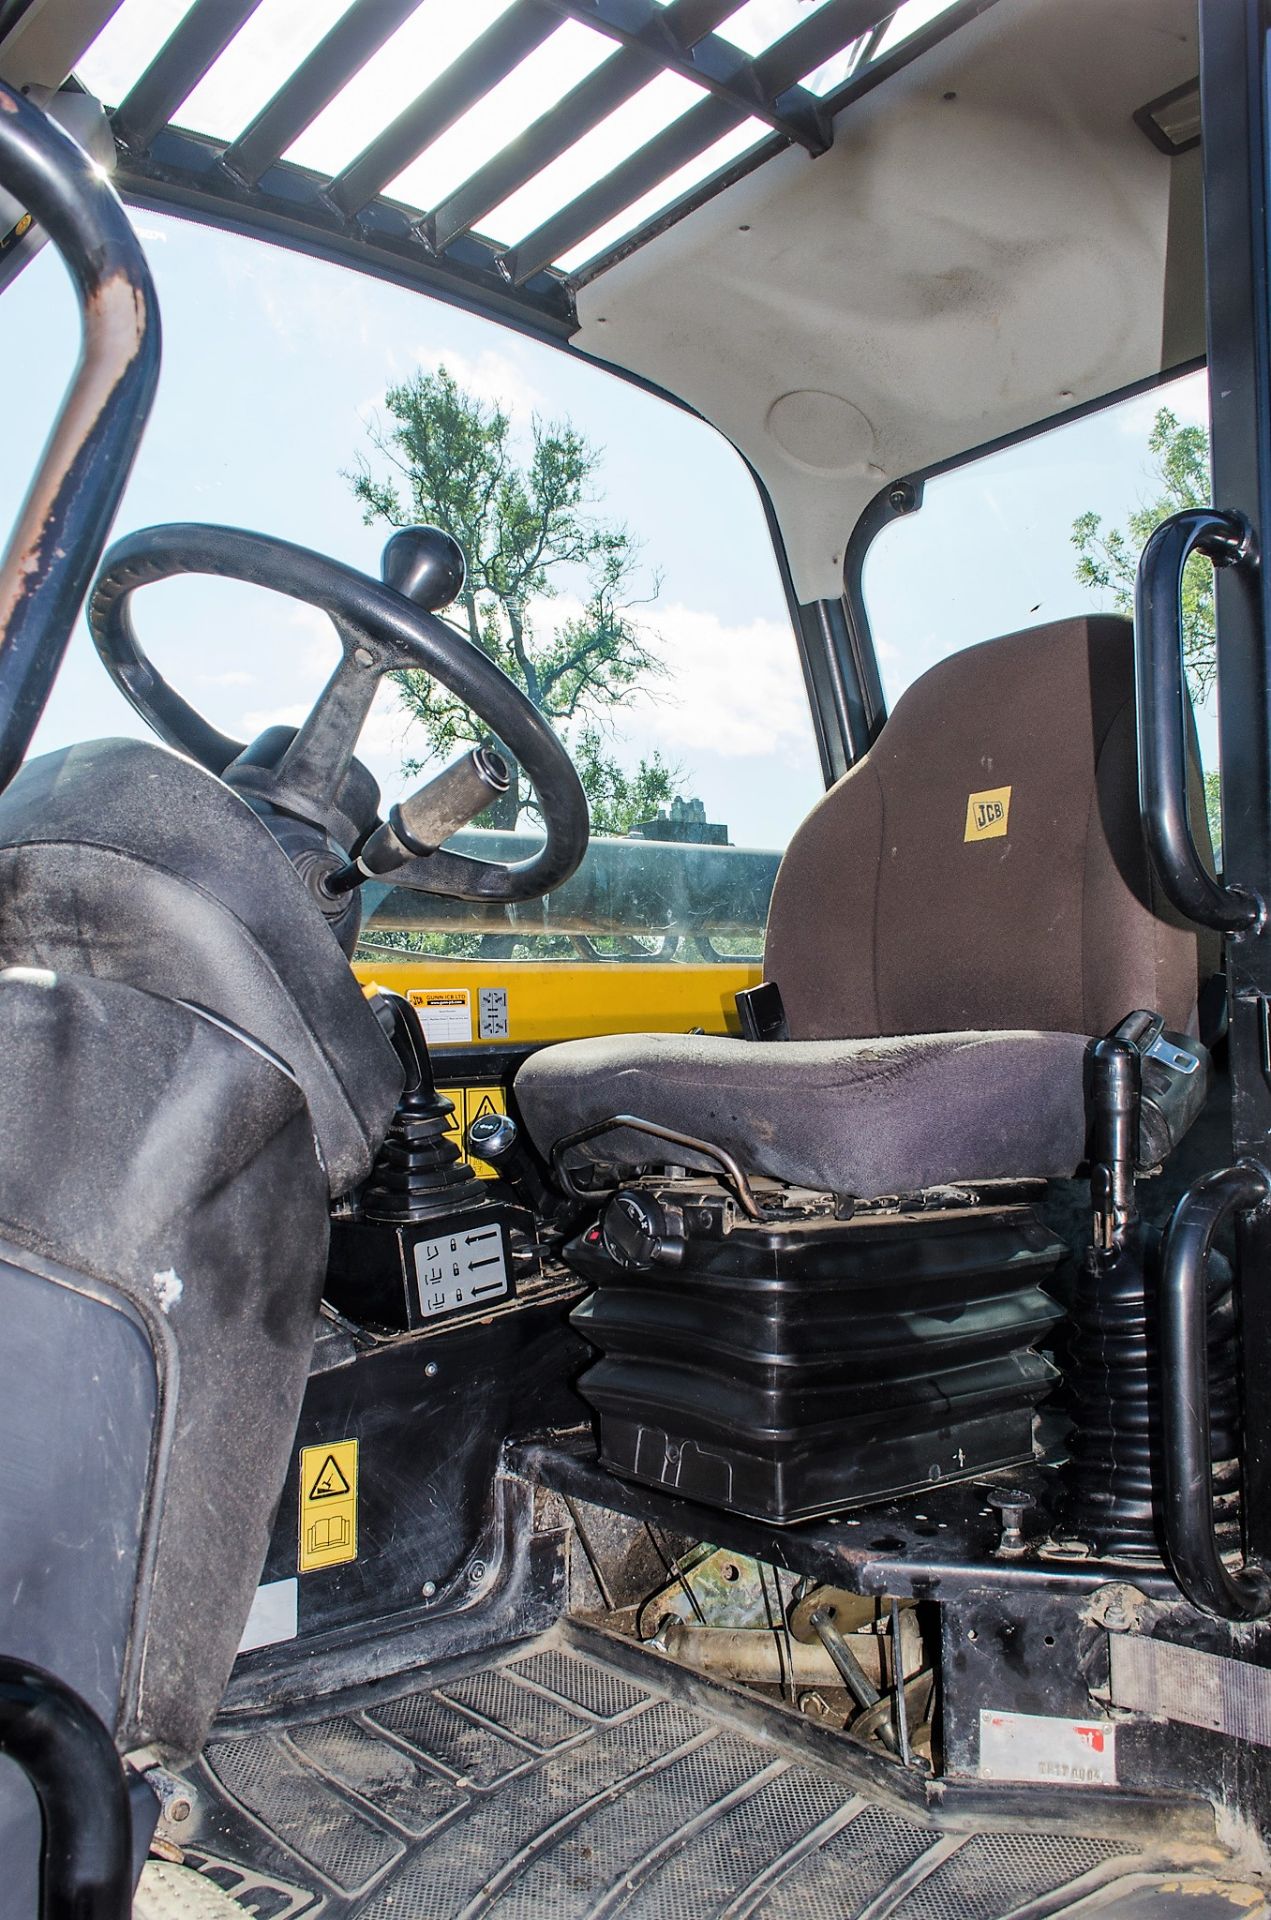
[941,983]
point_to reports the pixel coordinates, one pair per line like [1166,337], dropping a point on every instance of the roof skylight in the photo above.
[258,59]
[126,45]
[421,49]
[649,205]
[908,20]
[757,25]
[532,88]
[655,106]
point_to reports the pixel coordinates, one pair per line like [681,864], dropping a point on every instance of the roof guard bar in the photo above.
[478,69]
[631,67]
[62,524]
[774,74]
[697,53]
[344,51]
[1191,1543]
[70,1760]
[1160,699]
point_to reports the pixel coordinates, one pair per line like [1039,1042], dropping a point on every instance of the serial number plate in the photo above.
[464,1269]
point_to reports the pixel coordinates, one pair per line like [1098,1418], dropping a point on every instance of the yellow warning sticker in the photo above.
[987,814]
[484,1100]
[328,1505]
[455,1124]
[469,1103]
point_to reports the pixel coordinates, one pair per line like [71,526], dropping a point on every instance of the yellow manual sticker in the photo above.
[328,1505]
[987,814]
[445,1014]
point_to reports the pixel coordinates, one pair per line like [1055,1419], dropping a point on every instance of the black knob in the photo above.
[638,1232]
[493,1136]
[425,565]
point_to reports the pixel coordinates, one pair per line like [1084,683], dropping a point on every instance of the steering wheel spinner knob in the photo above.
[425,565]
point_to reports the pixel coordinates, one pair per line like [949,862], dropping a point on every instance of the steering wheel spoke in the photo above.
[460,876]
[312,769]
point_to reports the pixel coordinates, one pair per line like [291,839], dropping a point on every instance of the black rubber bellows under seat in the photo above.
[791,1369]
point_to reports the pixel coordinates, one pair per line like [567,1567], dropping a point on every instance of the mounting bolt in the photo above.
[430,1371]
[175,1799]
[901,498]
[428,1589]
[1011,1504]
[1117,1607]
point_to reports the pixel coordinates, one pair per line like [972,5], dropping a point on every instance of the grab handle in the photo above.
[62,524]
[1190,1538]
[1227,541]
[70,1760]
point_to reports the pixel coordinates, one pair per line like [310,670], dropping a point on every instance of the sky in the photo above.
[274,364]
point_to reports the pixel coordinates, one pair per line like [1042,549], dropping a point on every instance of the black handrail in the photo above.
[61,528]
[1226,540]
[70,1760]
[1190,1538]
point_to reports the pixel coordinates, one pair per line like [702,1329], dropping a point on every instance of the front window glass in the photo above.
[620,570]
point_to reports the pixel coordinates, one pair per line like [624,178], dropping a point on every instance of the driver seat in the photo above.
[951,925]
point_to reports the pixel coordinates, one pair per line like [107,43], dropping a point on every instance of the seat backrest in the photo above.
[123,860]
[983,867]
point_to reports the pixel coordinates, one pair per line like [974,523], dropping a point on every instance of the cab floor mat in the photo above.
[547,1785]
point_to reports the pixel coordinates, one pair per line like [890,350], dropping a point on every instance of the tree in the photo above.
[618,800]
[523,523]
[1108,560]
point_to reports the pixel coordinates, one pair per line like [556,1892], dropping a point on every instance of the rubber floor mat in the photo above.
[548,1786]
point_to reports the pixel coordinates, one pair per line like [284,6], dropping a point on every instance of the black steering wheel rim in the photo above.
[370,619]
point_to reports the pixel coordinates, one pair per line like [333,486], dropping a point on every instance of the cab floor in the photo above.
[547,1785]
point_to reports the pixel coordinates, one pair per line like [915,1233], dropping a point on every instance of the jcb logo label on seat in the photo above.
[987,814]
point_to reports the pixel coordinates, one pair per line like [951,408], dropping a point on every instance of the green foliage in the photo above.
[1213,811]
[451,461]
[620,800]
[1108,559]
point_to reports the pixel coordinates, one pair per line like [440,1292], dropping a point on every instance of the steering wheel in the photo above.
[383,627]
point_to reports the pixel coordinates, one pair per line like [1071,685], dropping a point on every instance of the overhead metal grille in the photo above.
[761,103]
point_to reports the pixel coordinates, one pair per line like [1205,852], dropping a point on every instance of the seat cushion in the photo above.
[859,1117]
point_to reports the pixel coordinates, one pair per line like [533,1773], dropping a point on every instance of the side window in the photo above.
[620,570]
[1044,530]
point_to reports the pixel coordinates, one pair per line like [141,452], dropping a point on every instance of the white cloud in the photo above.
[256,719]
[231,679]
[491,375]
[744,677]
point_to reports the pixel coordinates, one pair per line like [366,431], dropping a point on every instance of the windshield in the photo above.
[644,601]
